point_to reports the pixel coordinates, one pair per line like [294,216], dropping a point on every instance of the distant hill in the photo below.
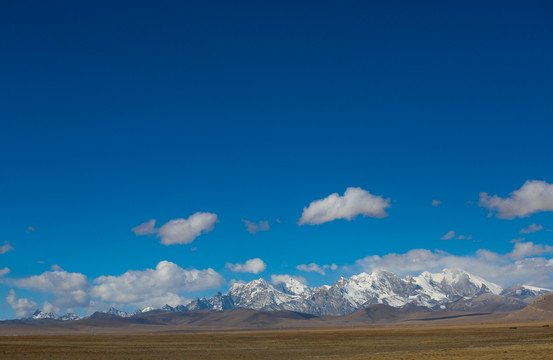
[540,310]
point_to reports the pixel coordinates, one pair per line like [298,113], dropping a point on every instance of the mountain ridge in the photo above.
[450,289]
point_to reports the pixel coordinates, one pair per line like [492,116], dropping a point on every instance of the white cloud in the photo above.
[530,229]
[5,248]
[69,288]
[253,227]
[56,268]
[234,281]
[4,271]
[526,249]
[355,201]
[277,279]
[316,268]
[534,196]
[47,307]
[154,287]
[436,202]
[30,229]
[253,266]
[311,268]
[23,307]
[184,231]
[506,270]
[451,234]
[146,228]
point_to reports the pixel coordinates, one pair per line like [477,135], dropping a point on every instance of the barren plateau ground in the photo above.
[530,341]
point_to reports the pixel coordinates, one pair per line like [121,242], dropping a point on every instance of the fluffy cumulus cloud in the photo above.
[534,196]
[70,288]
[151,287]
[23,307]
[253,227]
[146,228]
[316,268]
[355,201]
[530,229]
[519,266]
[5,248]
[526,249]
[179,231]
[253,266]
[184,231]
[154,287]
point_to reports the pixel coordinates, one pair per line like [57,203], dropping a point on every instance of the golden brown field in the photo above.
[431,342]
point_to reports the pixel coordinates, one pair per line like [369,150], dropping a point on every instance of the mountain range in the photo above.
[448,290]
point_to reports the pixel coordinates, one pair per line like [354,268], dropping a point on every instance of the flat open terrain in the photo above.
[530,341]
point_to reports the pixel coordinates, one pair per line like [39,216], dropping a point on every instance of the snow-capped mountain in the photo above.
[178,308]
[41,315]
[70,316]
[450,289]
[118,313]
[429,290]
[525,293]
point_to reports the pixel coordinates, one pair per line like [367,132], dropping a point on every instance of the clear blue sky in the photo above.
[115,113]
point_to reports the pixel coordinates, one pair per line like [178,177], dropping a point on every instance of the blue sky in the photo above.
[113,114]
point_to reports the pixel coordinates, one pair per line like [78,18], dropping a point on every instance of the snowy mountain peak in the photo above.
[450,288]
[291,286]
[460,279]
[70,316]
[41,315]
[119,313]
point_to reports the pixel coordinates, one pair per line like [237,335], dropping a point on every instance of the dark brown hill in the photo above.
[540,310]
[376,314]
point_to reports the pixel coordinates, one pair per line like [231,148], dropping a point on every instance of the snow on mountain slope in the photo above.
[379,287]
[41,315]
[457,282]
[446,289]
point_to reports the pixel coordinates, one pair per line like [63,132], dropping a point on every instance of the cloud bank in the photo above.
[140,288]
[23,307]
[355,201]
[523,265]
[154,287]
[69,288]
[534,196]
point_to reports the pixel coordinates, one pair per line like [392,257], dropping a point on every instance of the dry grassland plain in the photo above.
[440,342]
